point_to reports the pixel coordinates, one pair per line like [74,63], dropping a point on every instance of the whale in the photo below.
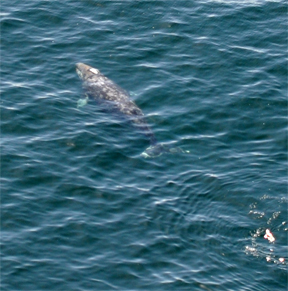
[115,99]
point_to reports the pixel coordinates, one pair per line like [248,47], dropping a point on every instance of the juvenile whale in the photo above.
[105,91]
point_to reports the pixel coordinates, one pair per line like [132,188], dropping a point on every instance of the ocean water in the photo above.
[81,209]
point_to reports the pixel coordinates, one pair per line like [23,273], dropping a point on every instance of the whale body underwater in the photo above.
[103,90]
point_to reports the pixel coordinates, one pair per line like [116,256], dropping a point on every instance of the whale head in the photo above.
[85,72]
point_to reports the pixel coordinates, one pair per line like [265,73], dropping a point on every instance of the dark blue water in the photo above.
[81,209]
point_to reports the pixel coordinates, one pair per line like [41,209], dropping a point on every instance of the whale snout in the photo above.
[82,67]
[84,71]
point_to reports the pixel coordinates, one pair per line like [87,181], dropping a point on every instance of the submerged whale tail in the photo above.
[158,149]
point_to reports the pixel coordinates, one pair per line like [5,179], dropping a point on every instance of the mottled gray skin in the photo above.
[103,90]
